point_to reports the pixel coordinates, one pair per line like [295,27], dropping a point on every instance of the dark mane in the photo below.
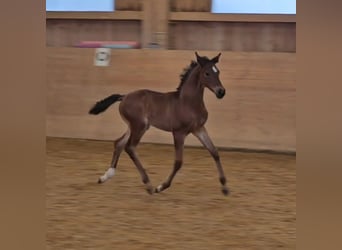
[185,74]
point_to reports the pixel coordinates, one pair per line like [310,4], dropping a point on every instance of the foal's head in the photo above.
[209,75]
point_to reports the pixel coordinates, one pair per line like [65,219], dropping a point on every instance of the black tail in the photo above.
[102,105]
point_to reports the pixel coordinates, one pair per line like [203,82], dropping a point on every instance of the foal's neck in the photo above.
[192,89]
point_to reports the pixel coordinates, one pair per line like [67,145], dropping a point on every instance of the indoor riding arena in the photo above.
[149,44]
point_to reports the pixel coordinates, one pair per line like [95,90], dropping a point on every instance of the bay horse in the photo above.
[180,112]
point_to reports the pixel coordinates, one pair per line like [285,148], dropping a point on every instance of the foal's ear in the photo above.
[201,60]
[216,58]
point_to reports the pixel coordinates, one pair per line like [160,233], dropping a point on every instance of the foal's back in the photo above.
[147,107]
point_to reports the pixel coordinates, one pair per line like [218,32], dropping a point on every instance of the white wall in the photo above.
[254,6]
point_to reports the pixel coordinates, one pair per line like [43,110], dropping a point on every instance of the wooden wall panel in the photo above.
[225,36]
[231,36]
[66,33]
[258,111]
[155,23]
[183,35]
[190,5]
[132,5]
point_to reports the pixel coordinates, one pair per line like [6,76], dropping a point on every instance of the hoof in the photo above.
[99,181]
[225,191]
[150,190]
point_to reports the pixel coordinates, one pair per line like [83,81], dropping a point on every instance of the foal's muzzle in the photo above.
[220,93]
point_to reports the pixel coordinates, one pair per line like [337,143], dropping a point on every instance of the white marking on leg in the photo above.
[160,188]
[109,174]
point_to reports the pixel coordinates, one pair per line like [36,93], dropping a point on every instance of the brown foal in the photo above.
[180,112]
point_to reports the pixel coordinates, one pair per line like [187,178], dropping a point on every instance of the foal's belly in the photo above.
[176,123]
[161,121]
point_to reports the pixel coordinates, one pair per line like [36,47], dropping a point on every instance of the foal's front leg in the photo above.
[204,138]
[179,145]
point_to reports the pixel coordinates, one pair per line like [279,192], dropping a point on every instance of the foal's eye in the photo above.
[206,73]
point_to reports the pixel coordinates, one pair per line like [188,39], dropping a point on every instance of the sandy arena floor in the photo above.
[260,212]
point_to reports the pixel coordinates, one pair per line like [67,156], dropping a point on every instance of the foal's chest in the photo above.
[195,117]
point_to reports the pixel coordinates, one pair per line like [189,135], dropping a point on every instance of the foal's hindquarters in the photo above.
[135,116]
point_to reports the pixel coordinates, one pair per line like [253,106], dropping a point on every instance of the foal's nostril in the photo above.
[220,93]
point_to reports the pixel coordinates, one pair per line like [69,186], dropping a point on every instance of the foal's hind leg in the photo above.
[203,136]
[137,131]
[119,145]
[179,145]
